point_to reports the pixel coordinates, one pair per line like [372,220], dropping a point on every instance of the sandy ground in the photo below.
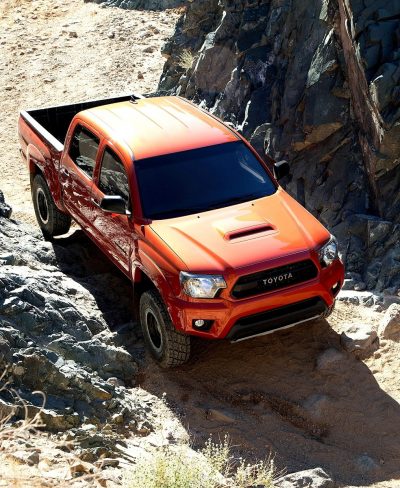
[56,52]
[276,395]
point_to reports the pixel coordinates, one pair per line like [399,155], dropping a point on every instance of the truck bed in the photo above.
[55,121]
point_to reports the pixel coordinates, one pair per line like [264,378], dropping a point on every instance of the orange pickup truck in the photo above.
[188,210]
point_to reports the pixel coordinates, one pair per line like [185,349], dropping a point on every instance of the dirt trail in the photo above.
[283,393]
[280,394]
[56,52]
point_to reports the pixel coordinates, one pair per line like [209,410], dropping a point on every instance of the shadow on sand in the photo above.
[283,394]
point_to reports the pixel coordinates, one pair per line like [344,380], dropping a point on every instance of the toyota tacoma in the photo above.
[187,209]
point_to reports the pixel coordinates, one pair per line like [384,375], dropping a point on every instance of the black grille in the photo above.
[275,319]
[274,279]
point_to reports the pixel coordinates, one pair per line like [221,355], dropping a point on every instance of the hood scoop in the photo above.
[248,231]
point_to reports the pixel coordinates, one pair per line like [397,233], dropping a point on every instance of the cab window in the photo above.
[113,179]
[83,149]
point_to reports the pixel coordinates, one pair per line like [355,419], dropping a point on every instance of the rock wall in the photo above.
[55,338]
[316,83]
[141,4]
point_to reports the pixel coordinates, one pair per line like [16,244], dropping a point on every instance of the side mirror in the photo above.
[114,204]
[281,169]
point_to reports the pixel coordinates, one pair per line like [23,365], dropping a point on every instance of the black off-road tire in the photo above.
[167,346]
[328,311]
[51,221]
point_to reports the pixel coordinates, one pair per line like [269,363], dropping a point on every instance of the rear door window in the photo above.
[83,149]
[113,179]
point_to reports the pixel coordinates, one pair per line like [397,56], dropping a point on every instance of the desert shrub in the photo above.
[185,59]
[213,467]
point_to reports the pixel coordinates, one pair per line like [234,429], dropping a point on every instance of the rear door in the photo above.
[77,171]
[113,231]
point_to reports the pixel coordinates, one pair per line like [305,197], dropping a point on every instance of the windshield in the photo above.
[202,179]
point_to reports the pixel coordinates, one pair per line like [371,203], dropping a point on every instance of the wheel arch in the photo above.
[141,283]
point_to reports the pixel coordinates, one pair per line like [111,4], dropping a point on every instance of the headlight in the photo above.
[328,253]
[201,286]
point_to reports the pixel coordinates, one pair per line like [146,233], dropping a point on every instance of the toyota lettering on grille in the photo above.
[272,280]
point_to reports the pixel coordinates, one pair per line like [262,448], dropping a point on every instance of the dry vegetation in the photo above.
[213,467]
[186,59]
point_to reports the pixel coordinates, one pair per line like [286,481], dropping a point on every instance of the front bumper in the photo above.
[238,319]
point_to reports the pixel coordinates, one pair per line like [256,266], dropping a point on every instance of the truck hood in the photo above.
[242,235]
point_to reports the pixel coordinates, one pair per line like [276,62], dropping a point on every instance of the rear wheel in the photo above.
[51,221]
[167,346]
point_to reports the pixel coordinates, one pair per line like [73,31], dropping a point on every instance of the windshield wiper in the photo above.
[242,199]
[178,212]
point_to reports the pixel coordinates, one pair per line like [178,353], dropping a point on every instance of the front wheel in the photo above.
[51,221]
[167,346]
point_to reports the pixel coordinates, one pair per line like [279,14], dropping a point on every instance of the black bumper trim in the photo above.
[278,318]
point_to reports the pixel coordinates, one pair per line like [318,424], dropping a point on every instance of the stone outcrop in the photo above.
[316,83]
[56,347]
[141,4]
[5,209]
[311,478]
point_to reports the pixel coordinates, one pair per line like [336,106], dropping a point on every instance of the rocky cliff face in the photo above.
[316,83]
[141,4]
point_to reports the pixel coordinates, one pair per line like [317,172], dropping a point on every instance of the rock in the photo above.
[221,416]
[26,457]
[5,210]
[311,478]
[358,297]
[115,382]
[118,418]
[141,4]
[140,75]
[348,284]
[360,286]
[359,338]
[81,467]
[389,326]
[6,409]
[55,339]
[107,462]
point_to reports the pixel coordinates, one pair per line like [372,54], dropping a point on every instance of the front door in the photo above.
[113,231]
[76,174]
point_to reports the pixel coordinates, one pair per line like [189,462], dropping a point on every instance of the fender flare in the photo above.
[35,159]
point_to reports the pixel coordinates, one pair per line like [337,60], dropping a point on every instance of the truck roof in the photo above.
[160,125]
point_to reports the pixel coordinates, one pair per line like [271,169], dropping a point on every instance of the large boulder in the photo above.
[359,338]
